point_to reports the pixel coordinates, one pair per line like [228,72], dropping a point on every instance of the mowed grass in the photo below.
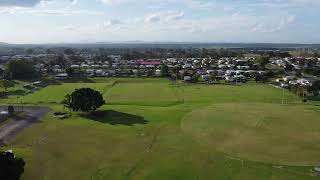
[130,138]
[56,93]
[280,134]
[143,93]
[250,92]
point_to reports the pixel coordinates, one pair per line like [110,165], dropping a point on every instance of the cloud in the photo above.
[111,2]
[270,27]
[68,27]
[111,23]
[49,12]
[175,16]
[19,3]
[27,3]
[153,18]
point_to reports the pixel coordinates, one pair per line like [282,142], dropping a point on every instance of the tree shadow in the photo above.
[18,92]
[5,95]
[115,118]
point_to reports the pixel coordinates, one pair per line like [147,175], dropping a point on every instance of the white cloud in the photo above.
[175,16]
[69,27]
[153,18]
[28,3]
[48,12]
[270,27]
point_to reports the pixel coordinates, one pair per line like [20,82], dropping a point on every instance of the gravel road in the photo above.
[10,129]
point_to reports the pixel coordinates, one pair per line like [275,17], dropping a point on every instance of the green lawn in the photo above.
[154,130]
[281,134]
[56,93]
[143,93]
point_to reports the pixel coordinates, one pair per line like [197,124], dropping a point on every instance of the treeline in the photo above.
[151,52]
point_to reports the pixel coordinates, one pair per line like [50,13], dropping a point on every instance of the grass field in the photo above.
[283,134]
[56,93]
[143,93]
[154,130]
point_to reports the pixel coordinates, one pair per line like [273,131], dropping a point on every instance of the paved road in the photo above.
[9,130]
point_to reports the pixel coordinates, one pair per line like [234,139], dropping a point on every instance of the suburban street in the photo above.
[10,129]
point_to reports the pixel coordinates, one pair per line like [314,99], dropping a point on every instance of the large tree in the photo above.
[164,70]
[263,61]
[11,168]
[20,69]
[84,100]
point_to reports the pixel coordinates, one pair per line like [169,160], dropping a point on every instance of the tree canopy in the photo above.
[164,70]
[20,69]
[263,60]
[10,166]
[84,100]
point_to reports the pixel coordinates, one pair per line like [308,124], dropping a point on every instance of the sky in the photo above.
[89,21]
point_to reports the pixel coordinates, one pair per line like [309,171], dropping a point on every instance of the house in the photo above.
[236,78]
[37,83]
[206,77]
[284,85]
[75,66]
[61,76]
[158,72]
[187,78]
[99,72]
[187,66]
[3,115]
[288,78]
[304,82]
[85,66]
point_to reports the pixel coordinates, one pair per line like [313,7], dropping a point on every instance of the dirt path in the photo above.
[10,129]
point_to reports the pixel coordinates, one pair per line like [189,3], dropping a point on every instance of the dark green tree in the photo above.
[263,61]
[315,88]
[164,70]
[20,69]
[67,102]
[11,168]
[84,100]
[70,71]
[150,73]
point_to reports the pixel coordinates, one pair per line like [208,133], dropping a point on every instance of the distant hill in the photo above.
[155,44]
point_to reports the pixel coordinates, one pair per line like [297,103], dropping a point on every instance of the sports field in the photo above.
[154,129]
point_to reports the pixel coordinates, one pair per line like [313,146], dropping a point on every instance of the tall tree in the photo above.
[20,69]
[84,100]
[263,61]
[164,70]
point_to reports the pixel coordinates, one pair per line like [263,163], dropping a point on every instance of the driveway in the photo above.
[10,129]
